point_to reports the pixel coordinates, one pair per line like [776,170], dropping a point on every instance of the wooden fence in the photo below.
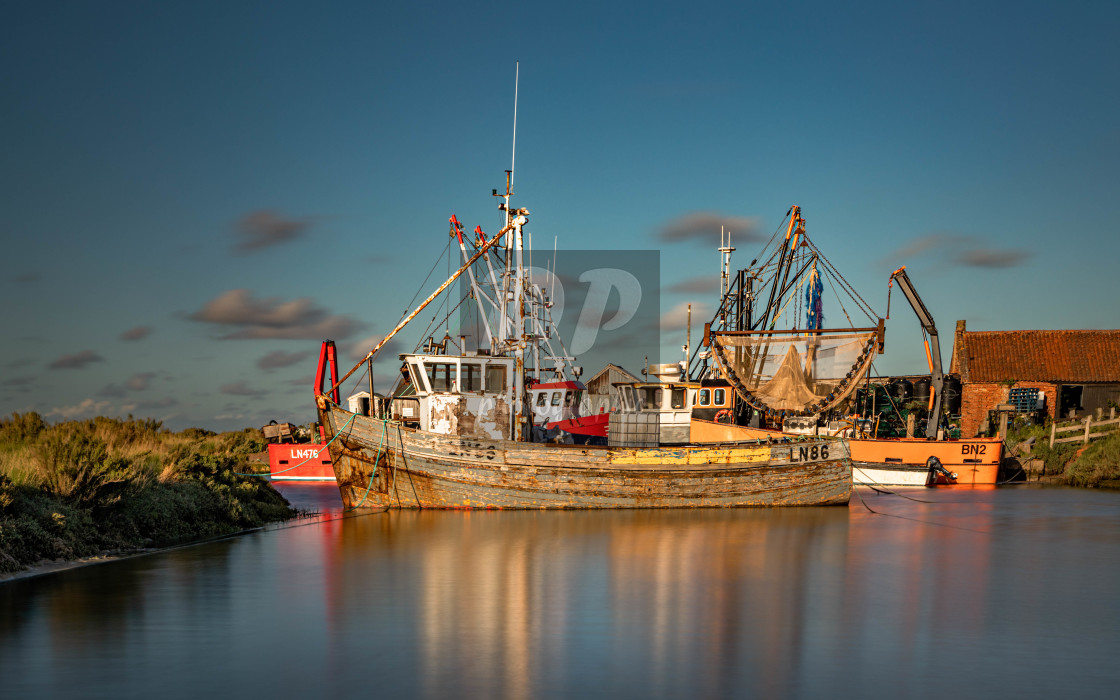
[1085,428]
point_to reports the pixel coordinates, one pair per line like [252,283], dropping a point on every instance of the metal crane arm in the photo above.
[933,348]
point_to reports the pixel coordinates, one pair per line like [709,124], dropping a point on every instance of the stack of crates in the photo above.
[1023,399]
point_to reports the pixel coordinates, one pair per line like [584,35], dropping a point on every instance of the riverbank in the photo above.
[104,488]
[1096,465]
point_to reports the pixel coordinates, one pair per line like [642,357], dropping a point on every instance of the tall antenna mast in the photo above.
[513,158]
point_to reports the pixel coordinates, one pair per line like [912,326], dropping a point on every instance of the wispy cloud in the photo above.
[986,257]
[240,388]
[140,382]
[957,248]
[272,318]
[705,227]
[137,382]
[358,349]
[676,318]
[279,358]
[704,284]
[76,361]
[151,405]
[86,408]
[20,385]
[264,228]
[137,333]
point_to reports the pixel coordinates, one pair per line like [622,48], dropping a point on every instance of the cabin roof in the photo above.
[1060,356]
[628,376]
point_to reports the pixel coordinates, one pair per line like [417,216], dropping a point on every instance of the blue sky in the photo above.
[193,194]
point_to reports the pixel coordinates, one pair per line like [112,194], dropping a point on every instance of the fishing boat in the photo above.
[461,432]
[785,373]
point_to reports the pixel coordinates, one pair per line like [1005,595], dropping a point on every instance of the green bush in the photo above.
[21,428]
[112,485]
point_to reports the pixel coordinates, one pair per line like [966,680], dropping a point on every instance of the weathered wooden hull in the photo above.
[381,463]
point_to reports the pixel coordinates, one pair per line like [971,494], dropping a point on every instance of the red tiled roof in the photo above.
[1043,356]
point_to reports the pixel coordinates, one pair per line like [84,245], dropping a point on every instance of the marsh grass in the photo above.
[80,488]
[1074,463]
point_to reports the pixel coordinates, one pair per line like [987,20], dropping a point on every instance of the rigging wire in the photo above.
[424,283]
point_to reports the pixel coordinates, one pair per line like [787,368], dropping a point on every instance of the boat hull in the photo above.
[381,463]
[299,462]
[902,461]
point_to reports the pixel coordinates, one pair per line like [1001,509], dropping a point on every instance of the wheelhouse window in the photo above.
[720,396]
[471,376]
[542,398]
[496,378]
[651,397]
[677,400]
[441,375]
[556,398]
[705,397]
[567,399]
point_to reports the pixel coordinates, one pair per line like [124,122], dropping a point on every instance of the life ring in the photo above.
[722,413]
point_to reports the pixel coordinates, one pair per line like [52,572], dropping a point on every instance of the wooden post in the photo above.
[1053,432]
[1100,412]
[1088,424]
[1003,415]
[1111,412]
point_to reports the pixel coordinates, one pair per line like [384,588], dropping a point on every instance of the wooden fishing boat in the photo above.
[461,431]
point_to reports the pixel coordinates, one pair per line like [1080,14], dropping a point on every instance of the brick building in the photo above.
[1076,371]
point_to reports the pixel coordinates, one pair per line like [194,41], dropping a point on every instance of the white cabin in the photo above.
[468,395]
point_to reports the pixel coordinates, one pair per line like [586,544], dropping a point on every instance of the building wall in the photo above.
[977,398]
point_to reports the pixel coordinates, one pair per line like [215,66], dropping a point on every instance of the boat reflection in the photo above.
[504,601]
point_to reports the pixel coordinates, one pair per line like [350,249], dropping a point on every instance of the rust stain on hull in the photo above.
[381,463]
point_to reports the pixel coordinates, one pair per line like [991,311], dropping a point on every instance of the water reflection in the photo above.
[918,599]
[506,603]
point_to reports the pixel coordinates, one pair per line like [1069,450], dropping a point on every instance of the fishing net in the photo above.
[800,373]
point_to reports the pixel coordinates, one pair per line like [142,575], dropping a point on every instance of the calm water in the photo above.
[1001,593]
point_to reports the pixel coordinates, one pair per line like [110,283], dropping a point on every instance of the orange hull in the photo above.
[975,462]
[884,460]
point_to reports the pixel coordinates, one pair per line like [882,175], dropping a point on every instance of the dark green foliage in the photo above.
[110,485]
[21,427]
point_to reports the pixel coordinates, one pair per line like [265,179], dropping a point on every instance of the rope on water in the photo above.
[855,489]
[306,460]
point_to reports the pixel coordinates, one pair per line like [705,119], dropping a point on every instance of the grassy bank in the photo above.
[85,488]
[1074,464]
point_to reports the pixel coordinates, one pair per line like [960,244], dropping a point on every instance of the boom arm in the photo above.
[933,348]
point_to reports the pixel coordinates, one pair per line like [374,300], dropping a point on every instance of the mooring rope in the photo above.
[915,520]
[373,472]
